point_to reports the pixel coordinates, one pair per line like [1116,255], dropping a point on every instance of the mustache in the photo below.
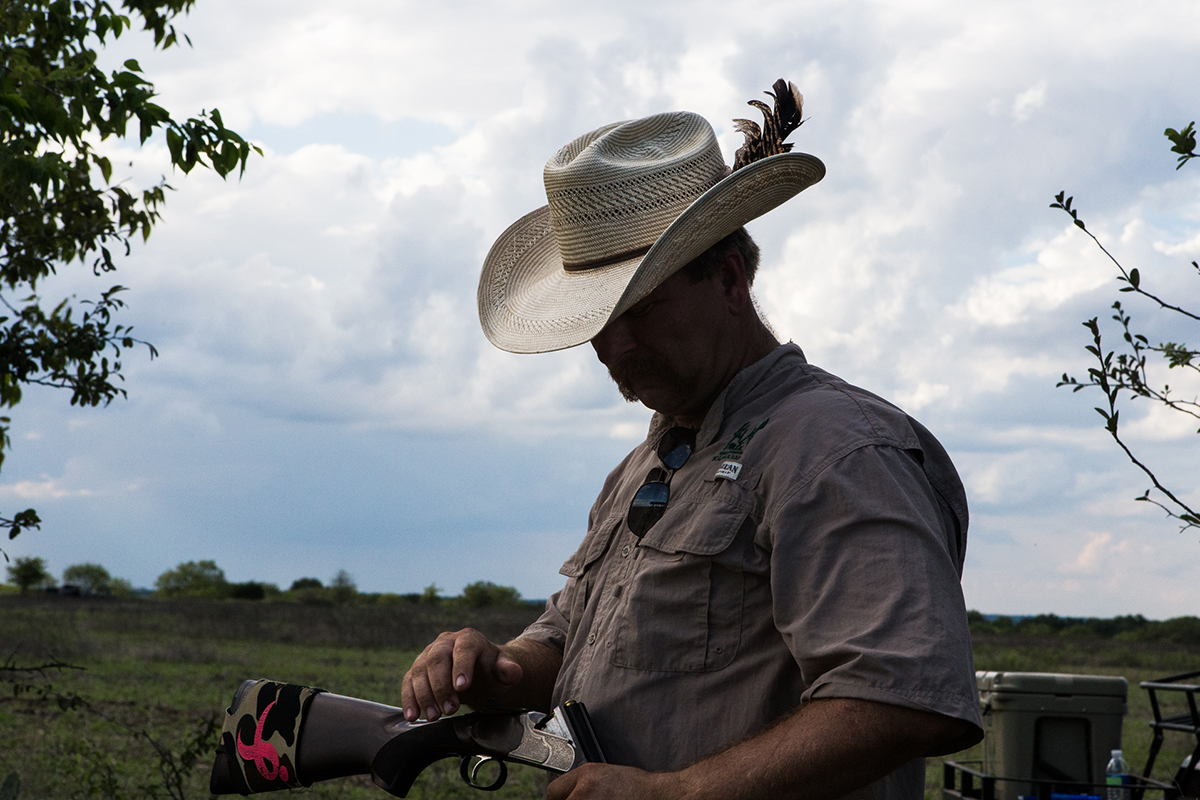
[633,370]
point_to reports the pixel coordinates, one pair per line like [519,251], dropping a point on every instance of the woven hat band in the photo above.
[606,262]
[613,192]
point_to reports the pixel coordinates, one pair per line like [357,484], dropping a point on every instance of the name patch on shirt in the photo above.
[729,470]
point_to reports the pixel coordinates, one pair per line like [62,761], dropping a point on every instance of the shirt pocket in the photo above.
[681,610]
[580,566]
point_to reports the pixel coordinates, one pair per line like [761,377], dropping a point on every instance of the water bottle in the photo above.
[1116,777]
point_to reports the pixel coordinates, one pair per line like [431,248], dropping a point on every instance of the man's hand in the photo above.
[608,781]
[462,667]
[466,667]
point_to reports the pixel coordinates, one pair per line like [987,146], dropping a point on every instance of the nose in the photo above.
[613,342]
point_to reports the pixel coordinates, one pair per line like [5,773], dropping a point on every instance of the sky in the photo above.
[324,399]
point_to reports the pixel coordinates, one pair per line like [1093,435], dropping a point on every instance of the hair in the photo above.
[706,264]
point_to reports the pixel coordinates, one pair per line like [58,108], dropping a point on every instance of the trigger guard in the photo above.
[469,774]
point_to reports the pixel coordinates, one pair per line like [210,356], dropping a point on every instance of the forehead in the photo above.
[673,287]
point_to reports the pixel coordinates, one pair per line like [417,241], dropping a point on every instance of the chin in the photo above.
[655,401]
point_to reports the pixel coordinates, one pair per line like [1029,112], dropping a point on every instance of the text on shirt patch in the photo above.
[729,471]
[741,438]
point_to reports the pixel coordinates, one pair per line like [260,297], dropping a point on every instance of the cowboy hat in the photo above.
[629,204]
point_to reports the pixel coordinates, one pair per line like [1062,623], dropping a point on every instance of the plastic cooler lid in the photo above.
[1051,683]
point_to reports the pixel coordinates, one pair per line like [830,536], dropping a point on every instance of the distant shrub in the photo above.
[1130,627]
[193,579]
[91,578]
[28,572]
[306,583]
[120,587]
[253,590]
[311,596]
[342,587]
[485,594]
[1180,630]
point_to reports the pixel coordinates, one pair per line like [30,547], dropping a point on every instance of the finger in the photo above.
[471,649]
[407,700]
[506,670]
[561,787]
[440,673]
[423,702]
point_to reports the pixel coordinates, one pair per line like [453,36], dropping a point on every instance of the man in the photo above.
[767,600]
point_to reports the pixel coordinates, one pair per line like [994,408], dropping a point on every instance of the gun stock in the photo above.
[279,736]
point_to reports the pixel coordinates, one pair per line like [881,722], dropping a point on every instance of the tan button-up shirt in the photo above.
[812,547]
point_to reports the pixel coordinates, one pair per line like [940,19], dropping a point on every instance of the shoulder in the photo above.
[831,439]
[817,418]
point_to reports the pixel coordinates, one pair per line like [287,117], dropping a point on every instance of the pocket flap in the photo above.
[592,547]
[702,529]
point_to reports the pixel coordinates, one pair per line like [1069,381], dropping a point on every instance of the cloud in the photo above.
[1088,559]
[46,489]
[1029,101]
[323,377]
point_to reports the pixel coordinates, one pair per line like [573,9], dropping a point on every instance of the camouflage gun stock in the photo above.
[284,736]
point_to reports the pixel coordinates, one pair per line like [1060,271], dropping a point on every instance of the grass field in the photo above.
[162,668]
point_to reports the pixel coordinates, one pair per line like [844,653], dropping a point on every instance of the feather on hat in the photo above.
[629,204]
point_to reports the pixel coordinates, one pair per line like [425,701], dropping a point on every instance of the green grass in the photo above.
[164,666]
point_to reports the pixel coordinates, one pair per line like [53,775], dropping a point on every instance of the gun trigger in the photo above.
[471,774]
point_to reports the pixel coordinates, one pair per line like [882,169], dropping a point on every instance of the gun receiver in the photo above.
[279,736]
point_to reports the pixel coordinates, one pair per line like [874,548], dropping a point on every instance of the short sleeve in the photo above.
[550,628]
[865,586]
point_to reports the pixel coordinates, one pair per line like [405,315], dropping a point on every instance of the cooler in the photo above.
[1045,726]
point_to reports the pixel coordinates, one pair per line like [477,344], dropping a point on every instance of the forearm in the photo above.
[823,751]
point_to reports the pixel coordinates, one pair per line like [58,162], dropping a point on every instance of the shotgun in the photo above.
[283,736]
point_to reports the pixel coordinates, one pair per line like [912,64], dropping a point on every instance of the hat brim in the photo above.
[529,304]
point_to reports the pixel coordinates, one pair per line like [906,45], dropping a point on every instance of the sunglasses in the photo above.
[650,502]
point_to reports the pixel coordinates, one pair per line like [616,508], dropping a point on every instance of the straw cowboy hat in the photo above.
[629,204]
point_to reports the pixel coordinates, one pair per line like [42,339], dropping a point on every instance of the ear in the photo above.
[732,276]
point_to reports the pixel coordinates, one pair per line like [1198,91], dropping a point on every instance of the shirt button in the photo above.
[625,552]
[591,638]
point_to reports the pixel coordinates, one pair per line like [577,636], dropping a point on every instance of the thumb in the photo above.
[506,671]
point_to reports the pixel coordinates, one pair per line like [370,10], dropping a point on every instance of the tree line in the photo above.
[205,580]
[1131,627]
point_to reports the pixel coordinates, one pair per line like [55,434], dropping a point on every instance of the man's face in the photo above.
[666,350]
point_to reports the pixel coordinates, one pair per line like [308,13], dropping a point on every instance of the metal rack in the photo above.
[1188,778]
[963,782]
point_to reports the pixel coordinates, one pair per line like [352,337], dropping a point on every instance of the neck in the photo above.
[758,342]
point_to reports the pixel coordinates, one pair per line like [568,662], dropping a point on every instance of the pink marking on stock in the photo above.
[263,754]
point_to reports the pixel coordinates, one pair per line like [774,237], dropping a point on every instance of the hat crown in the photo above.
[612,192]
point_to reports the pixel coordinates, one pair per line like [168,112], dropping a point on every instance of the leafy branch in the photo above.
[1126,372]
[1184,142]
[1113,377]
[59,203]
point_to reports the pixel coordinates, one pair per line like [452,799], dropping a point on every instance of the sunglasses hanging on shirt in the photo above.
[650,502]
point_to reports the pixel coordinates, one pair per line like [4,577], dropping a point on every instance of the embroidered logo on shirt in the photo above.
[741,438]
[729,471]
